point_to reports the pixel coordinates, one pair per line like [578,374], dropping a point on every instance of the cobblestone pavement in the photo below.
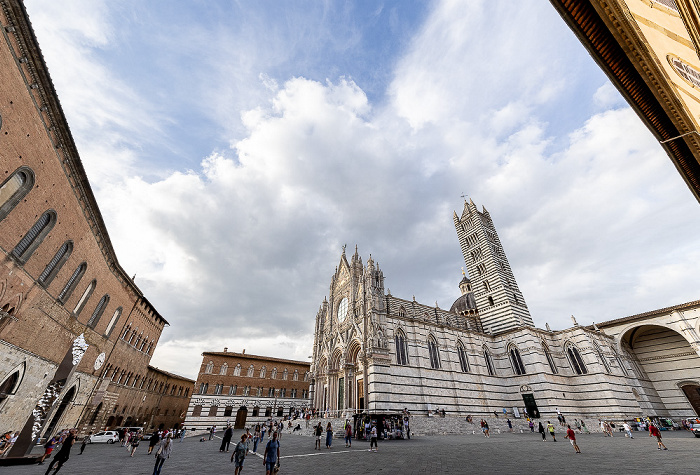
[471,453]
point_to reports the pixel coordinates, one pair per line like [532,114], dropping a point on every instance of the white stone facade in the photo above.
[385,354]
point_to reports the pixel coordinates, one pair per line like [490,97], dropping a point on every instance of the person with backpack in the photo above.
[272,455]
[164,449]
[64,453]
[239,453]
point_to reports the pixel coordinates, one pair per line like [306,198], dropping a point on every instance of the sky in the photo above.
[234,147]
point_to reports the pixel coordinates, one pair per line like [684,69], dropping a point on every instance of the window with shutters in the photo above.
[36,234]
[56,263]
[99,310]
[83,300]
[14,188]
[72,283]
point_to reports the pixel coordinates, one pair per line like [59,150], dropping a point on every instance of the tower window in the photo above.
[491,301]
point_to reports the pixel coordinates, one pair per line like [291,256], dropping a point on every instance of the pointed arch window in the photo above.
[273,375]
[251,371]
[224,369]
[462,355]
[209,368]
[433,353]
[99,310]
[489,362]
[575,360]
[515,361]
[83,300]
[402,311]
[72,283]
[550,359]
[285,374]
[262,371]
[54,266]
[401,348]
[113,322]
[601,357]
[295,377]
[237,370]
[36,234]
[14,188]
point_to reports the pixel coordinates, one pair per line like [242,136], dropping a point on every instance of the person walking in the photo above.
[628,430]
[212,430]
[48,448]
[486,430]
[373,439]
[238,455]
[135,440]
[86,440]
[271,456]
[532,426]
[155,438]
[165,447]
[64,453]
[348,434]
[226,440]
[318,432]
[550,428]
[329,435]
[654,431]
[571,435]
[510,425]
[543,432]
[583,427]
[256,438]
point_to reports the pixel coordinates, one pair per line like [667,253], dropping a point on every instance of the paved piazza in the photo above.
[504,453]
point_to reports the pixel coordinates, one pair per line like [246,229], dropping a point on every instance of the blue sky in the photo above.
[234,147]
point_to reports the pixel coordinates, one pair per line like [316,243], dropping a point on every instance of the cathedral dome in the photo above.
[464,303]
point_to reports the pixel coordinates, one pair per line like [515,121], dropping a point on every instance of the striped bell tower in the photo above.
[499,301]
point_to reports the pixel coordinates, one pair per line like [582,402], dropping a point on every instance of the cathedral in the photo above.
[380,354]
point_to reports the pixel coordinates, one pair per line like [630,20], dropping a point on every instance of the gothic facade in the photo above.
[379,353]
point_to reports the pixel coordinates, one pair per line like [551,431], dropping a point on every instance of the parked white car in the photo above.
[108,436]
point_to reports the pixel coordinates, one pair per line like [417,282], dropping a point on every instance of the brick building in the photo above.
[239,388]
[76,333]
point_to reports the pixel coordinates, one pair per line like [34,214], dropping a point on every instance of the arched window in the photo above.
[99,310]
[575,359]
[72,283]
[401,348]
[14,188]
[402,311]
[295,377]
[515,361]
[433,353]
[237,370]
[251,371]
[262,371]
[550,360]
[462,355]
[285,373]
[113,322]
[36,234]
[218,388]
[274,373]
[491,302]
[601,356]
[224,369]
[489,362]
[232,390]
[9,385]
[56,263]
[203,388]
[209,368]
[83,300]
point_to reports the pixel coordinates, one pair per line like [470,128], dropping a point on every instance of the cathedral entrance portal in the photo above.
[241,416]
[692,392]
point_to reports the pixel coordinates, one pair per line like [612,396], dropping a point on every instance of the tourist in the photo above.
[226,440]
[272,454]
[155,438]
[543,432]
[238,455]
[577,423]
[628,430]
[48,448]
[486,430]
[329,435]
[64,453]
[86,440]
[256,438]
[348,434]
[135,440]
[532,426]
[571,435]
[654,431]
[318,431]
[583,427]
[182,434]
[212,431]
[510,425]
[248,438]
[373,439]
[550,428]
[164,449]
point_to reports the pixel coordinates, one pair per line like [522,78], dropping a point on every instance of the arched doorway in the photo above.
[667,367]
[67,398]
[241,416]
[97,412]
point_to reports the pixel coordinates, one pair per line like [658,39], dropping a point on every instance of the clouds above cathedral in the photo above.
[230,189]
